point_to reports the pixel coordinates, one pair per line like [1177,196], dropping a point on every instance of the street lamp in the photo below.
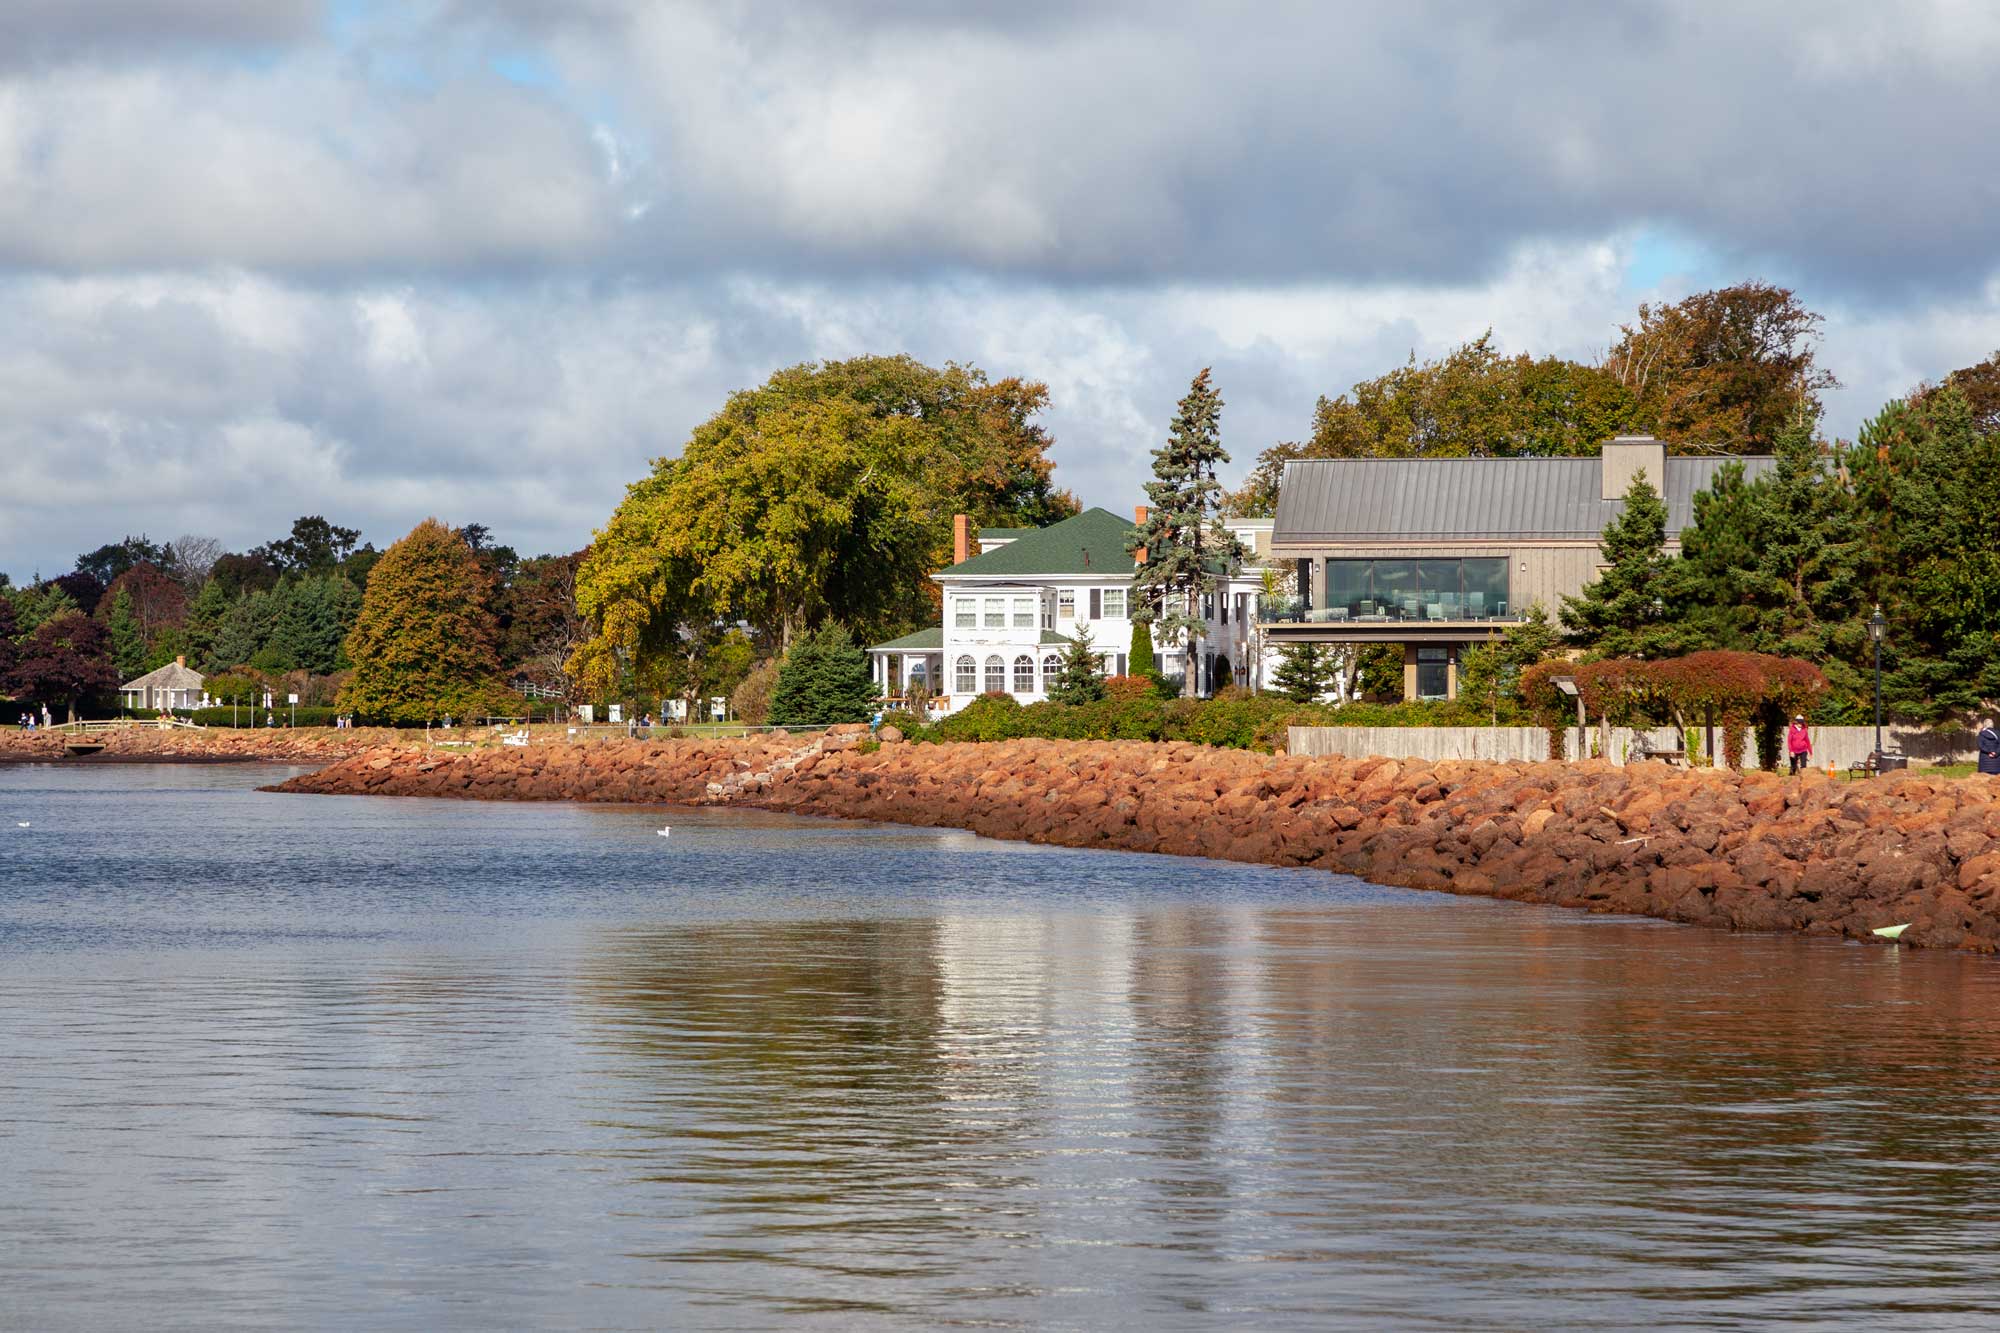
[1878,623]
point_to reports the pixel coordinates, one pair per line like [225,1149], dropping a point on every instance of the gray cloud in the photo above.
[35,31]
[486,259]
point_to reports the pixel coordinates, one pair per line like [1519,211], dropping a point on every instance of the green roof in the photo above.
[1092,543]
[1050,638]
[932,639]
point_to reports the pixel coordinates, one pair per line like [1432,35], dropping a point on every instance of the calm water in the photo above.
[308,1061]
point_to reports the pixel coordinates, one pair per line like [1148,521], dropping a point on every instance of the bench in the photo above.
[1644,751]
[1876,763]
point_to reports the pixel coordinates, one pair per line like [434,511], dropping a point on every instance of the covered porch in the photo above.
[911,662]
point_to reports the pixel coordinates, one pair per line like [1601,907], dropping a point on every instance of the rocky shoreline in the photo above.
[182,745]
[1752,851]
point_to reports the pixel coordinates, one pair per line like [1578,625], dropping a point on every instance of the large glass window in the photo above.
[1066,604]
[1114,603]
[996,613]
[967,677]
[996,675]
[1024,674]
[965,612]
[1024,613]
[1051,665]
[1474,589]
[1486,589]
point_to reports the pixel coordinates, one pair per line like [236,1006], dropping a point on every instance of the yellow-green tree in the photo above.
[827,493]
[422,646]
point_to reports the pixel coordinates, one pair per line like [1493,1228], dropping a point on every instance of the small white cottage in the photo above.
[175,685]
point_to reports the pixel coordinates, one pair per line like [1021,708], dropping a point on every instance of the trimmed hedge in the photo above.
[1232,721]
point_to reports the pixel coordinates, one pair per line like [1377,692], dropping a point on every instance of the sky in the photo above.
[486,259]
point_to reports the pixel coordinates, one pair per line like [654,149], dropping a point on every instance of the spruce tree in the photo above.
[1077,679]
[823,680]
[206,615]
[1187,549]
[1304,672]
[1139,661]
[128,645]
[422,645]
[1624,612]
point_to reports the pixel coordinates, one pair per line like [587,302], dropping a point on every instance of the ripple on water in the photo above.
[282,1060]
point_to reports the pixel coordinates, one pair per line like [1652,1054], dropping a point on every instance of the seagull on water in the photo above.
[665,832]
[22,824]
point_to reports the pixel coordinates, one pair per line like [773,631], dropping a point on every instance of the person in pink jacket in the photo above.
[1798,744]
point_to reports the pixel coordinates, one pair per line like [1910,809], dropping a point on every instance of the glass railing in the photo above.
[1294,611]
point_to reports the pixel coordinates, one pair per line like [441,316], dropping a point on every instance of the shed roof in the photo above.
[1326,500]
[932,639]
[172,676]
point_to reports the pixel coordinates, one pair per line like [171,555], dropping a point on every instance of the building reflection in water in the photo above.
[968,1104]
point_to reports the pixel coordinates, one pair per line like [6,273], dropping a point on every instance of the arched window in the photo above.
[1024,674]
[996,675]
[919,675]
[968,676]
[1051,667]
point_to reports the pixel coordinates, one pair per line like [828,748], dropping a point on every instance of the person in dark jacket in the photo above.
[1989,748]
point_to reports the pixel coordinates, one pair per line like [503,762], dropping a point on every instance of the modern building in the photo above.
[1014,604]
[1434,554]
[175,685]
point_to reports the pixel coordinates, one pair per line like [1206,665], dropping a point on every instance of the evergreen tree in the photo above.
[1186,547]
[824,679]
[37,603]
[1139,661]
[128,645]
[1624,612]
[1304,673]
[422,646]
[1077,679]
[204,625]
[245,630]
[313,621]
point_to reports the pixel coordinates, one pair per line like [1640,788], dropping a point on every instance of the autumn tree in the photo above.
[421,647]
[154,598]
[1186,547]
[1980,386]
[1473,402]
[825,494]
[66,661]
[1722,371]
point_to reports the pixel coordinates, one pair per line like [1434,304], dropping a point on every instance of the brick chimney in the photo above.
[181,660]
[961,539]
[1139,513]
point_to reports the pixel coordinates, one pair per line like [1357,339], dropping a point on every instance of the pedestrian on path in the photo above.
[1989,749]
[1798,744]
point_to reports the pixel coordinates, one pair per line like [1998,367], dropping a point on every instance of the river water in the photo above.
[293,1061]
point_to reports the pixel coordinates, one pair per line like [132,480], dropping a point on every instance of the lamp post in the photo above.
[1878,623]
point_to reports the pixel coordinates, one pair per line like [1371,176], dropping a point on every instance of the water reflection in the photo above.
[798,1073]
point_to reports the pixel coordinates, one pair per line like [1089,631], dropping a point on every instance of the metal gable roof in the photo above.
[1325,500]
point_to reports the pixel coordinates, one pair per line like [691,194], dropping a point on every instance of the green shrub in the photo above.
[247,716]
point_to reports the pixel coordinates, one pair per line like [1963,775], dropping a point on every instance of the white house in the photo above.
[1011,609]
[176,685]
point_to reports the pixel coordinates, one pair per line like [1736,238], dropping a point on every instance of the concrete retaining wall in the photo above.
[1840,746]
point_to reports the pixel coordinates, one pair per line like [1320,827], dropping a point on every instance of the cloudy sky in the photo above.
[485,258]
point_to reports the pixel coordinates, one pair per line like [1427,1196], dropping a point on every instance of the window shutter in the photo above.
[1097,603]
